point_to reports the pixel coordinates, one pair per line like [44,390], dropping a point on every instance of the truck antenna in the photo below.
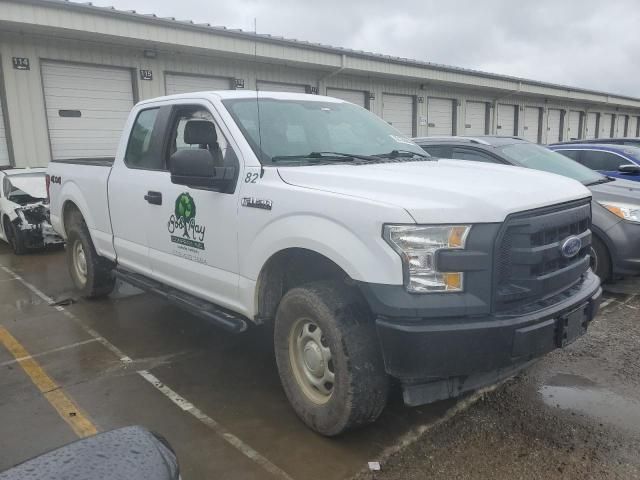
[255,76]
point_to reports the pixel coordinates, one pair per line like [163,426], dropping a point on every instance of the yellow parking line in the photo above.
[59,400]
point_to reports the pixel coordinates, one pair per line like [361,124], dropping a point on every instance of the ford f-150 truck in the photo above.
[369,259]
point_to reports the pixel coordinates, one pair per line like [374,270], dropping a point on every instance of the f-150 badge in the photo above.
[257,203]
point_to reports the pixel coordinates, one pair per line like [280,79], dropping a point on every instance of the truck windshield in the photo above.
[296,130]
[540,158]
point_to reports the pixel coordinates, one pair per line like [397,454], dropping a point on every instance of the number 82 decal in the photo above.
[251,177]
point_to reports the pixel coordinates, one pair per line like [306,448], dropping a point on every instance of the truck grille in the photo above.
[530,265]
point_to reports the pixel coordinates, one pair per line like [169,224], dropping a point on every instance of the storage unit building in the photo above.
[591,127]
[475,118]
[575,124]
[606,125]
[4,144]
[87,107]
[357,97]
[280,87]
[180,83]
[531,127]
[632,128]
[507,120]
[621,124]
[70,72]
[398,111]
[440,117]
[554,125]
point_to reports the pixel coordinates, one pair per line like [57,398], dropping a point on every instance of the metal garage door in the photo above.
[605,125]
[175,83]
[573,132]
[553,125]
[354,96]
[281,87]
[4,149]
[532,124]
[439,116]
[621,122]
[86,108]
[632,129]
[506,120]
[397,110]
[592,122]
[475,118]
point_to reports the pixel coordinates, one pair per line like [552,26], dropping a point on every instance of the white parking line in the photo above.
[48,352]
[178,400]
[607,302]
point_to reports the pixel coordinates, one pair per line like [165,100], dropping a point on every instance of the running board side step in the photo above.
[214,314]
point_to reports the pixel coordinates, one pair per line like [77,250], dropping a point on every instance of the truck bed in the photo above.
[84,181]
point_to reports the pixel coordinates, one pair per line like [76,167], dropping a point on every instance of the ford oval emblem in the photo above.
[570,247]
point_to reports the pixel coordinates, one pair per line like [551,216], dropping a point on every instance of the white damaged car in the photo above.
[24,210]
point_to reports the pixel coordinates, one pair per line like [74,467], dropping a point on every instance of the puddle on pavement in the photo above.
[580,394]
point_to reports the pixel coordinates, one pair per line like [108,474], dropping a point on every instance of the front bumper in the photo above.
[625,239]
[438,358]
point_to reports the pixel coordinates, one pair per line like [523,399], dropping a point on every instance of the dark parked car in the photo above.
[631,141]
[620,161]
[616,203]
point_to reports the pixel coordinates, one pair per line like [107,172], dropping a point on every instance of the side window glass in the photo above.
[572,154]
[473,155]
[138,153]
[195,128]
[597,160]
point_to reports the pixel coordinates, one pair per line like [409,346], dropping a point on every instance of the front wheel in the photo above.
[329,359]
[15,238]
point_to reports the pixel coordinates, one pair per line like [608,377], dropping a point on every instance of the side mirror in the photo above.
[629,169]
[196,168]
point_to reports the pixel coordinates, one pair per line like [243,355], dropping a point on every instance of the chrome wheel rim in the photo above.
[311,360]
[80,262]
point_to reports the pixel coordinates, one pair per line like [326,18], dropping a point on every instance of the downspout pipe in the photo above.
[343,65]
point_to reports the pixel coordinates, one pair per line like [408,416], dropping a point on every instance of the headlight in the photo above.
[417,246]
[626,211]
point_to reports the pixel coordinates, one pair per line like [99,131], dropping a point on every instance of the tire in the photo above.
[91,273]
[600,259]
[14,237]
[326,317]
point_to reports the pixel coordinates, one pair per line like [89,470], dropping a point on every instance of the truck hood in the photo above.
[441,191]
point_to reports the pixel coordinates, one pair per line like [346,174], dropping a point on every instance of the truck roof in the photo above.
[236,94]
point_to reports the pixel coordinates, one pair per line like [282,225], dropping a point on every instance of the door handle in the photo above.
[154,198]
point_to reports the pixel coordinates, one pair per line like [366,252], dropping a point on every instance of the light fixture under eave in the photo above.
[150,54]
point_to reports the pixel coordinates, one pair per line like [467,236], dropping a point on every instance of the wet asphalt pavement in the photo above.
[575,414]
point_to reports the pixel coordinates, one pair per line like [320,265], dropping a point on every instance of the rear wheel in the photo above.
[14,237]
[600,259]
[91,273]
[328,358]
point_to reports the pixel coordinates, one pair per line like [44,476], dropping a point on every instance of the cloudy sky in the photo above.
[586,43]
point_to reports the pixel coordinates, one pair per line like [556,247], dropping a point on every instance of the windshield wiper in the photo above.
[324,156]
[403,153]
[601,181]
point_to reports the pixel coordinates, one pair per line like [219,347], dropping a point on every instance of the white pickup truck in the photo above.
[370,259]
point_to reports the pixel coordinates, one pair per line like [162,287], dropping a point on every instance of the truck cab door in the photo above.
[193,233]
[139,172]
